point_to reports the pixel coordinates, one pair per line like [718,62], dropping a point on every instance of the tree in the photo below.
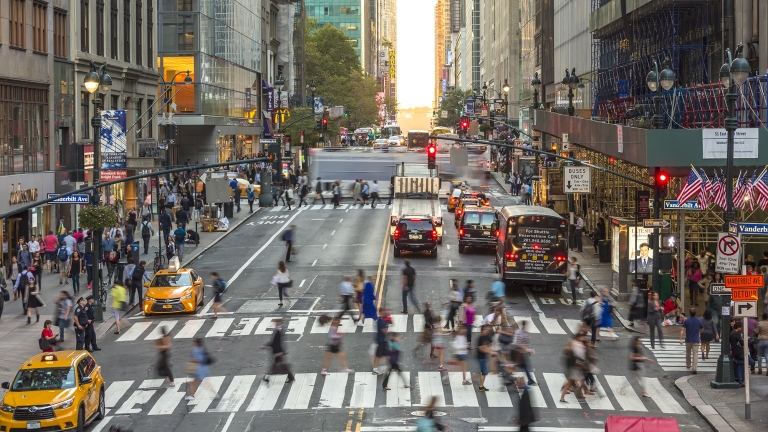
[453,102]
[329,54]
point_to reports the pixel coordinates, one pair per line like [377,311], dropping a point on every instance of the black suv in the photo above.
[478,228]
[415,234]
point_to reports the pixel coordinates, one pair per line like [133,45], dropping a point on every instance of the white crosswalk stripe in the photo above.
[230,326]
[671,358]
[340,390]
[310,207]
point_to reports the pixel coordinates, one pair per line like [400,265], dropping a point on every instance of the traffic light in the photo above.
[431,156]
[325,124]
[660,182]
[318,125]
[464,124]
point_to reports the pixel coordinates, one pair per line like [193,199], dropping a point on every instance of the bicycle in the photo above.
[158,263]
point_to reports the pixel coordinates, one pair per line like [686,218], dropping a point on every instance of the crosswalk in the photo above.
[232,326]
[671,357]
[248,393]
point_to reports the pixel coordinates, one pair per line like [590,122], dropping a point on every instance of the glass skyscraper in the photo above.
[345,15]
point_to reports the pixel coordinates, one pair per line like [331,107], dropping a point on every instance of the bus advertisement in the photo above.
[418,140]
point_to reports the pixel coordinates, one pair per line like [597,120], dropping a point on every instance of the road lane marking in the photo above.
[463,395]
[301,391]
[535,305]
[363,391]
[334,390]
[449,264]
[229,422]
[302,283]
[333,232]
[134,331]
[661,396]
[236,394]
[247,327]
[497,394]
[399,396]
[251,259]
[341,220]
[430,384]
[190,328]
[205,393]
[170,399]
[314,262]
[267,394]
[220,327]
[554,382]
[157,332]
[378,269]
[629,401]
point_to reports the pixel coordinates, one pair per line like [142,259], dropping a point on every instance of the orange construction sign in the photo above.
[744,294]
[743,281]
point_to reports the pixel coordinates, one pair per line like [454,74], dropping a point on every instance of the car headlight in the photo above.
[65,404]
[187,296]
[7,408]
[148,298]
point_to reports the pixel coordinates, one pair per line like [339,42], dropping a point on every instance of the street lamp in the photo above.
[571,82]
[505,87]
[97,83]
[311,87]
[535,83]
[279,84]
[733,73]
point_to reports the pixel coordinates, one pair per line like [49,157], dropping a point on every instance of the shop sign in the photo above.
[88,157]
[21,196]
[110,175]
[34,218]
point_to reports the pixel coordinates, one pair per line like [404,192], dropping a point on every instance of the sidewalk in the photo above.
[724,409]
[18,339]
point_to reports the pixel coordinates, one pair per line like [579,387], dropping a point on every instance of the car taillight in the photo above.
[453,200]
[461,232]
[458,211]
[434,234]
[397,233]
[511,256]
[536,247]
[496,234]
[560,258]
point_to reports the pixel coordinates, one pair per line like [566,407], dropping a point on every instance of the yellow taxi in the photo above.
[453,200]
[62,390]
[174,289]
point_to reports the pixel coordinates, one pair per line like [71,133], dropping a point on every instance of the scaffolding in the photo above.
[678,31]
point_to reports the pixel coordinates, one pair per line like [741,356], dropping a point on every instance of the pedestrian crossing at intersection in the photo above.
[671,357]
[229,326]
[249,393]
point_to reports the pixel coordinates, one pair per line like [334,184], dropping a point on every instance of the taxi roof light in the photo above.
[49,358]
[173,264]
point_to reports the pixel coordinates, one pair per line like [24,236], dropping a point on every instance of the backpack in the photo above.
[63,254]
[587,313]
[220,286]
[23,279]
[146,230]
[179,238]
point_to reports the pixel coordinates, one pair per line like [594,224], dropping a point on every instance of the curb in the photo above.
[708,412]
[196,255]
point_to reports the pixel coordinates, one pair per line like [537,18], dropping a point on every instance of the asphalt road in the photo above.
[333,243]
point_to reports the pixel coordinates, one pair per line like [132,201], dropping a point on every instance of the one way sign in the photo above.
[576,179]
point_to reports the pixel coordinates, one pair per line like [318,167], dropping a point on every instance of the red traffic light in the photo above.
[611,160]
[464,124]
[325,121]
[662,178]
[431,149]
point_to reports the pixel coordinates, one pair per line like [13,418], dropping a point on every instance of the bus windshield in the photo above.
[390,130]
[418,139]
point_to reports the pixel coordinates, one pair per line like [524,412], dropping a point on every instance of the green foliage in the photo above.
[97,217]
[332,63]
[453,102]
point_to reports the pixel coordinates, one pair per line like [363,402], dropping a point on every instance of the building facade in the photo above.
[356,19]
[222,45]
[500,51]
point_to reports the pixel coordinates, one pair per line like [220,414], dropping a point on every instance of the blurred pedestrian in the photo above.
[319,191]
[636,304]
[454,302]
[219,286]
[382,328]
[484,354]
[409,287]
[522,342]
[334,344]
[459,345]
[369,300]
[279,365]
[198,367]
[467,317]
[358,285]
[32,299]
[526,415]
[575,353]
[119,302]
[64,308]
[710,333]
[655,313]
[574,277]
[163,347]
[393,353]
[48,336]
[636,359]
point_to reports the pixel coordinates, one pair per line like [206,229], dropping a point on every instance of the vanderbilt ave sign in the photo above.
[19,196]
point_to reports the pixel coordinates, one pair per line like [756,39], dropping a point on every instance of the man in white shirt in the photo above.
[374,193]
[579,232]
[347,292]
[34,246]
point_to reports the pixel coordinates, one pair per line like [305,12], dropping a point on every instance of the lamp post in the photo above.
[505,87]
[97,83]
[279,84]
[733,73]
[311,87]
[571,82]
[656,82]
[535,83]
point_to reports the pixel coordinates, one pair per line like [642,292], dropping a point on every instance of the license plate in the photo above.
[33,425]
[415,237]
[167,306]
[486,233]
[467,235]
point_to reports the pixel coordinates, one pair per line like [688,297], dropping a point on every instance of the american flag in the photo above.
[691,187]
[762,184]
[749,195]
[740,191]
[720,192]
[705,198]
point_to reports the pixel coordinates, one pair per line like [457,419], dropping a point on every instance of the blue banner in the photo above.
[319,105]
[113,140]
[750,228]
[70,199]
[470,105]
[688,205]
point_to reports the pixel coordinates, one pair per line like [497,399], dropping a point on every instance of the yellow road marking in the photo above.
[381,272]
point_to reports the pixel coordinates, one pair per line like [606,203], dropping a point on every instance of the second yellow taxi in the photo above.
[175,289]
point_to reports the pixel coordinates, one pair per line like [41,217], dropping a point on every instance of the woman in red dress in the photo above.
[49,335]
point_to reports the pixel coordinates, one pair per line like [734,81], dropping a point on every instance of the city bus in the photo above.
[441,130]
[532,246]
[418,140]
[389,130]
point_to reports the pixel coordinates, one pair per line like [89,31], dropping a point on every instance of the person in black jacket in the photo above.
[181,218]
[319,191]
[137,278]
[165,224]
[279,366]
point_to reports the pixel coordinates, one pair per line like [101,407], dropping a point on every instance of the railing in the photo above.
[701,106]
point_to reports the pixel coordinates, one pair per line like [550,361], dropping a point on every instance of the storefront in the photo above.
[24,190]
[235,147]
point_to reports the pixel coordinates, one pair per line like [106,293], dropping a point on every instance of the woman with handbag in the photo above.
[198,368]
[37,263]
[32,299]
[334,345]
[76,268]
[163,347]
[283,280]
[694,275]
[358,286]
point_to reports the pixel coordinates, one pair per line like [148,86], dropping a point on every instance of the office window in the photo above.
[59,33]
[113,29]
[17,24]
[139,34]
[40,28]
[85,120]
[150,38]
[273,24]
[84,25]
[127,30]
[115,102]
[150,117]
[139,105]
[100,27]
[346,10]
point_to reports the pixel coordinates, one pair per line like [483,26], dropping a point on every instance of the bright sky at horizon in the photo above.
[415,53]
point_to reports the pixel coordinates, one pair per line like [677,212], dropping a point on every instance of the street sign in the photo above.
[728,254]
[688,205]
[71,199]
[643,205]
[743,281]
[744,294]
[577,179]
[733,228]
[444,114]
[656,223]
[745,309]
[718,289]
[752,228]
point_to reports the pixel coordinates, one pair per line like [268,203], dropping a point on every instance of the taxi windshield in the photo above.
[44,379]
[171,280]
